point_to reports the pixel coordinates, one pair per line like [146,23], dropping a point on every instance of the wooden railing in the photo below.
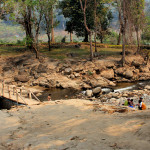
[16,93]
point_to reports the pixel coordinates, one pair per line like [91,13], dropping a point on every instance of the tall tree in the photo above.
[49,24]
[84,7]
[71,10]
[136,17]
[122,8]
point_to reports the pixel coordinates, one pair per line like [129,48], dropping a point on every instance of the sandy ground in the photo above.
[72,125]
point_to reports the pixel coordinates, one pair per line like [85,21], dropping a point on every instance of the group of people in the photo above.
[141,105]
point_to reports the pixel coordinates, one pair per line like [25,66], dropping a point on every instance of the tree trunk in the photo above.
[91,51]
[71,40]
[120,20]
[119,38]
[95,42]
[138,41]
[86,27]
[52,30]
[49,42]
[95,23]
[124,33]
[123,48]
[86,36]
[101,40]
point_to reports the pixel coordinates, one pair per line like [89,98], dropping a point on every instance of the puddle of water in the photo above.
[57,94]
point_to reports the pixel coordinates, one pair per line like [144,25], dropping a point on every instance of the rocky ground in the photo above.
[72,73]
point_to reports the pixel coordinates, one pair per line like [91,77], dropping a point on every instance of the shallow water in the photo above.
[131,86]
[58,94]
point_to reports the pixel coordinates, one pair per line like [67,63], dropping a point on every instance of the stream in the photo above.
[58,94]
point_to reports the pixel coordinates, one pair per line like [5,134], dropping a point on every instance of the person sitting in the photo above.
[127,102]
[49,97]
[141,105]
[131,103]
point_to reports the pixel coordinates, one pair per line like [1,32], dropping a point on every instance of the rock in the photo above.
[128,73]
[147,87]
[72,76]
[89,93]
[43,82]
[137,63]
[67,71]
[119,71]
[108,74]
[52,83]
[21,78]
[112,83]
[35,83]
[144,69]
[113,100]
[97,90]
[7,68]
[23,72]
[125,95]
[42,68]
[77,75]
[115,95]
[107,90]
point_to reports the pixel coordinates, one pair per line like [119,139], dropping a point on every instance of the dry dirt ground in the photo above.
[73,125]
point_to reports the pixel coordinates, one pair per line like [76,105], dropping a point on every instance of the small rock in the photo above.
[97,90]
[89,93]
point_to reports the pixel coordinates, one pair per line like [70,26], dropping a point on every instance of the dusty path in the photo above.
[71,125]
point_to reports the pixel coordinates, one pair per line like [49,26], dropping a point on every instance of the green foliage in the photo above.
[111,38]
[71,10]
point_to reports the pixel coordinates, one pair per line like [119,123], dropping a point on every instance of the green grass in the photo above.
[11,50]
[59,53]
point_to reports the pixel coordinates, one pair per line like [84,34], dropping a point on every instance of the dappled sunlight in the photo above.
[120,129]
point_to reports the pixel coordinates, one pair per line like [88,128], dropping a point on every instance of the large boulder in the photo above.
[108,74]
[128,73]
[21,78]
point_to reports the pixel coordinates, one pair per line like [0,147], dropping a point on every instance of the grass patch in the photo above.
[60,53]
[11,50]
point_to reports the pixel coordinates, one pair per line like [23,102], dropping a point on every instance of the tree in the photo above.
[122,8]
[2,6]
[48,16]
[69,28]
[84,7]
[71,10]
[136,17]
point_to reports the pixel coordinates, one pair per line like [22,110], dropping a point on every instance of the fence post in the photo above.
[21,91]
[30,96]
[13,90]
